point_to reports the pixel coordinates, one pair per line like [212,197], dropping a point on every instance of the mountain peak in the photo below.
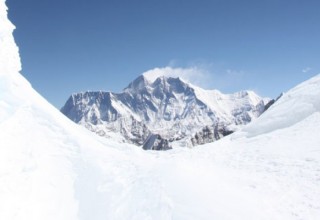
[138,84]
[143,83]
[154,74]
[166,72]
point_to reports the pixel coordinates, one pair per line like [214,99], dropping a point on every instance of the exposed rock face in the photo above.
[156,142]
[166,106]
[271,102]
[210,134]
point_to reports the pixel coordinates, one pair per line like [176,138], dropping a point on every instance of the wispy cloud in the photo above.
[194,75]
[205,76]
[306,70]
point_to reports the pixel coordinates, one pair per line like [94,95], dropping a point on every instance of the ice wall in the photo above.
[9,52]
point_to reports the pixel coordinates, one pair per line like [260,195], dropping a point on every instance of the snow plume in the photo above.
[206,76]
[194,75]
[9,53]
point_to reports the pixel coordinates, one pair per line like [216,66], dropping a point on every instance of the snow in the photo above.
[51,168]
[187,74]
[223,105]
[9,57]
[294,106]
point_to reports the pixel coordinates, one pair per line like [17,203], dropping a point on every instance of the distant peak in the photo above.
[156,73]
[153,78]
[137,84]
[164,73]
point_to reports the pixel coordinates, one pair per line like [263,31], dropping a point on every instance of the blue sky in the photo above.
[69,46]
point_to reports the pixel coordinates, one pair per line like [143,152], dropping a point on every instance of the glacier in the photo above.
[51,168]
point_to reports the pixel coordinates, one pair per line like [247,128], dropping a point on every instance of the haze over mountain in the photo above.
[52,168]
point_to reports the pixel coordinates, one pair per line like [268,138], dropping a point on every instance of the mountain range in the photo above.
[174,110]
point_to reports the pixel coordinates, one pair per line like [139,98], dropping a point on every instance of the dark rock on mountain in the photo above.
[156,142]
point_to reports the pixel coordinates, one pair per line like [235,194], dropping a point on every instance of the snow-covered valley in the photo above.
[52,168]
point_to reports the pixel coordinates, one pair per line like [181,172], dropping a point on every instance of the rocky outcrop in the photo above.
[271,102]
[156,142]
[210,134]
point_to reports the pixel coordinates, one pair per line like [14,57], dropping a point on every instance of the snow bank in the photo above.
[9,56]
[294,106]
[10,65]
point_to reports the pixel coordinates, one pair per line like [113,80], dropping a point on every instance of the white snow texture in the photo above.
[51,168]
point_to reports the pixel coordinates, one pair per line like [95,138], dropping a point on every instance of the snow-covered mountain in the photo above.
[51,168]
[161,105]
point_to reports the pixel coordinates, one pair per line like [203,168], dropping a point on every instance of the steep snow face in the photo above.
[167,106]
[49,166]
[35,170]
[9,56]
[9,64]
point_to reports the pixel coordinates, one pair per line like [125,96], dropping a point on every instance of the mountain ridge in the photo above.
[170,107]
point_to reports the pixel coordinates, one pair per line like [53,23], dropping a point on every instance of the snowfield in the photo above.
[51,168]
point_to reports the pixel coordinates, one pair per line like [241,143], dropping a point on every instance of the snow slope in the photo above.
[277,157]
[51,168]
